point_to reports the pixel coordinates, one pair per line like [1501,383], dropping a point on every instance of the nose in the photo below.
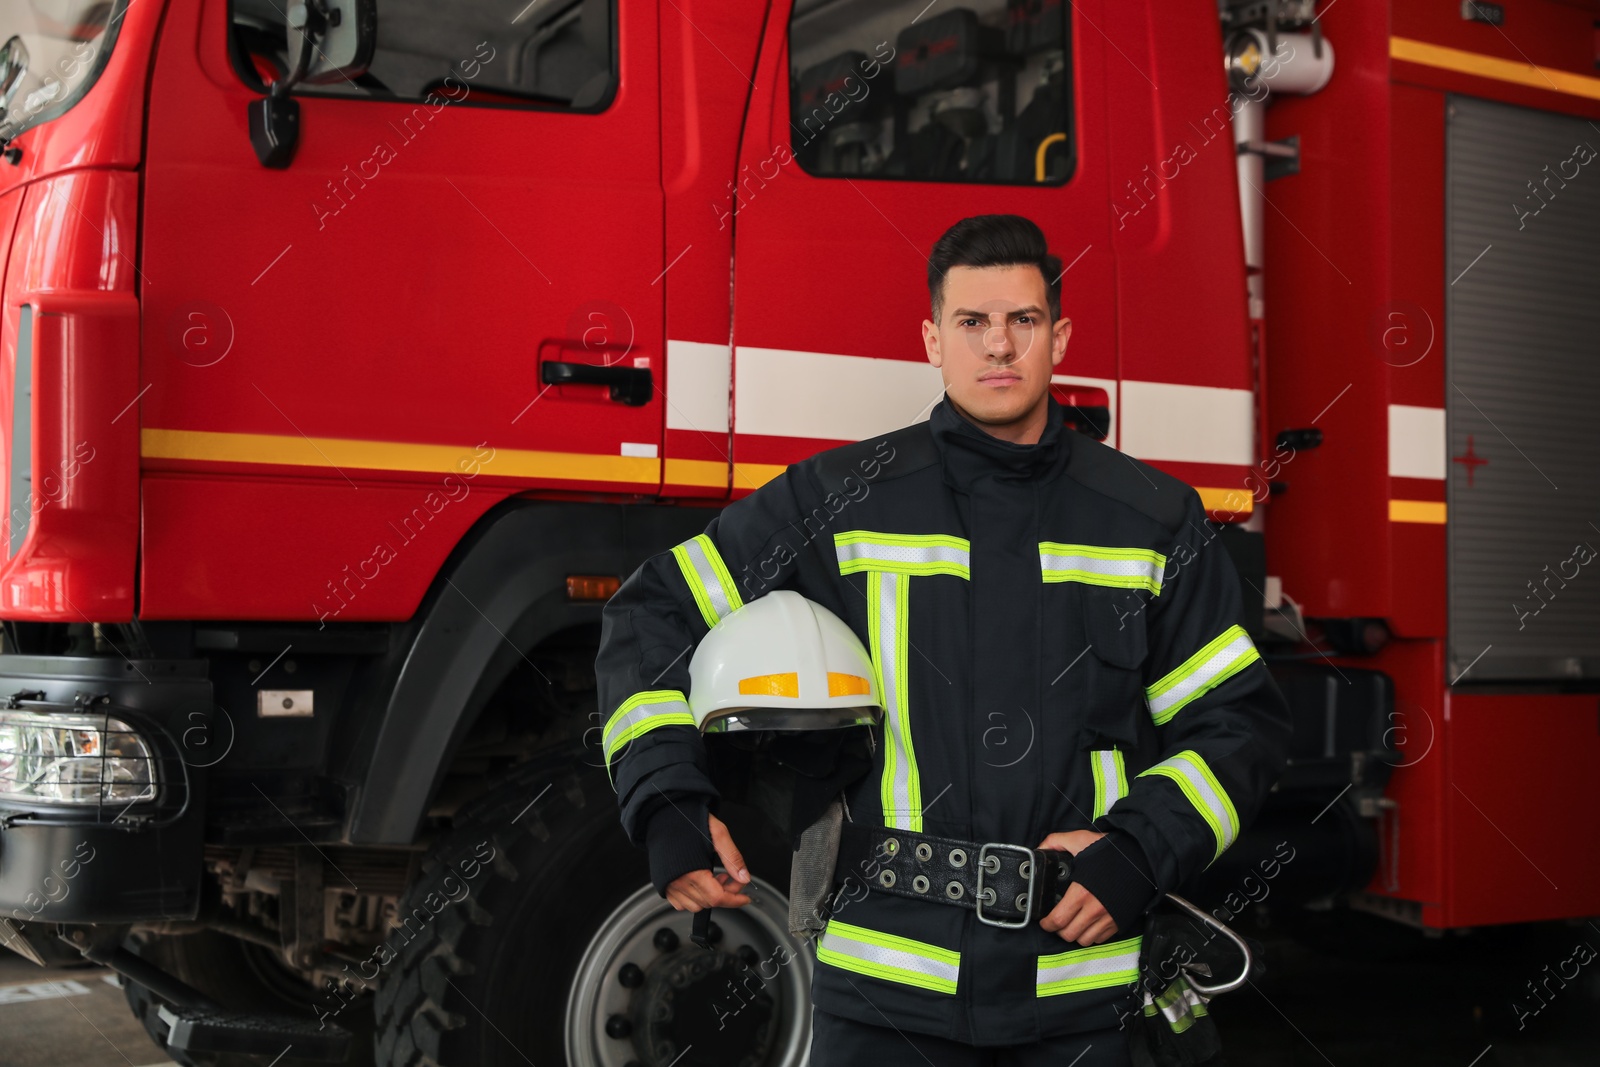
[998,346]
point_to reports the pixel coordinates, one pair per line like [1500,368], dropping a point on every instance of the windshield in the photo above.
[51,51]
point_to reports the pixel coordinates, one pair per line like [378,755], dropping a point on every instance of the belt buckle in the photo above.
[1033,883]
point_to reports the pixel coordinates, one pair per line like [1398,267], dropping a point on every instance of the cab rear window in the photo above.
[926,92]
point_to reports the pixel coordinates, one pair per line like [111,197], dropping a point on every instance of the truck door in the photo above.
[875,126]
[462,250]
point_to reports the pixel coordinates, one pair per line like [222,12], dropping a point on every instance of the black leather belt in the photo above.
[1007,885]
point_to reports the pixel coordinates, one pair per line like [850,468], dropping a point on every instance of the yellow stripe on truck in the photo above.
[1506,70]
[1429,511]
[341,452]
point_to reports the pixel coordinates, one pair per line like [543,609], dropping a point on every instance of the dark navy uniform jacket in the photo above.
[1055,629]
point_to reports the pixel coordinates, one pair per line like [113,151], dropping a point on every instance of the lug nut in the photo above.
[630,976]
[667,941]
[618,1027]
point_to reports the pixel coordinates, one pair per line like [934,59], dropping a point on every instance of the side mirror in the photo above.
[328,41]
[331,40]
[1088,408]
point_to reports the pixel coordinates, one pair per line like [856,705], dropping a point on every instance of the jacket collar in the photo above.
[969,453]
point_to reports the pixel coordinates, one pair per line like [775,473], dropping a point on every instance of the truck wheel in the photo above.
[236,975]
[552,947]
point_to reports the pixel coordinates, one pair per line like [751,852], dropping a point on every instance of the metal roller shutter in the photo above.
[1522,337]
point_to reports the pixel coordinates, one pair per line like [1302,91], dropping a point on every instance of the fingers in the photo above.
[1073,841]
[1103,930]
[1089,915]
[727,852]
[702,889]
[1065,911]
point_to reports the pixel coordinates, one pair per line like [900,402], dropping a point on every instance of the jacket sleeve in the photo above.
[649,630]
[1223,725]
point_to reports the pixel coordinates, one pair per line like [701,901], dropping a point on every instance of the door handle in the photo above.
[630,385]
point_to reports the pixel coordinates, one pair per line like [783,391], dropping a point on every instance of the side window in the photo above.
[554,54]
[976,93]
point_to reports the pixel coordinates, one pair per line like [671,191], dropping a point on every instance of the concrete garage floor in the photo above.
[68,1017]
[1448,1002]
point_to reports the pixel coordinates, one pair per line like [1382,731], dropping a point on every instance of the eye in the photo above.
[969,322]
[1024,320]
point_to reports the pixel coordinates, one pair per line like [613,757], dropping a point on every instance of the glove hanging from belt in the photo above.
[1007,885]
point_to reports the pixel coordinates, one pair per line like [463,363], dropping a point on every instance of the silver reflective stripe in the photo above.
[1179,1005]
[1224,656]
[708,578]
[1120,568]
[640,714]
[1110,779]
[887,618]
[863,550]
[1193,775]
[1115,963]
[890,958]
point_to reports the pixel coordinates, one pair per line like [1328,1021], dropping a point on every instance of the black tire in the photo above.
[485,982]
[237,975]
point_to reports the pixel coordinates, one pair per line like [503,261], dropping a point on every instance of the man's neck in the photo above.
[1023,431]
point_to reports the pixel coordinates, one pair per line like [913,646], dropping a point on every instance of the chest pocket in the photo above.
[1113,624]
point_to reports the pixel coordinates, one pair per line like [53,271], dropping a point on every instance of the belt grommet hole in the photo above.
[886,879]
[1061,870]
[924,851]
[991,864]
[920,883]
[987,896]
[891,845]
[1026,869]
[954,891]
[958,857]
[1022,902]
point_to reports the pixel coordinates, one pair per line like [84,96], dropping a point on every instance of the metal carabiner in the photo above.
[1221,987]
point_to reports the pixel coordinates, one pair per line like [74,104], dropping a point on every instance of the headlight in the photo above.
[73,759]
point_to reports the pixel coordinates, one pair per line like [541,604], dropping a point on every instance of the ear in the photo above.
[1058,340]
[930,342]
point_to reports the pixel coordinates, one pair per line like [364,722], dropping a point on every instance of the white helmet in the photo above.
[782,662]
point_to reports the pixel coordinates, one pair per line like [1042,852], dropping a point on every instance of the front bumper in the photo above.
[112,862]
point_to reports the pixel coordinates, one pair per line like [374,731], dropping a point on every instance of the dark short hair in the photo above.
[993,241]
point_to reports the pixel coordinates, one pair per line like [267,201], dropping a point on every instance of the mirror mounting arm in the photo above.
[275,118]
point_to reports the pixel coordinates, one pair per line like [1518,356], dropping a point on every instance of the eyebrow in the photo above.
[963,313]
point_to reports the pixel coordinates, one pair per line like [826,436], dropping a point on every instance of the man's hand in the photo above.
[1079,916]
[702,889]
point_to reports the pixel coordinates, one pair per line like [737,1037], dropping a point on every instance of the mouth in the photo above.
[998,379]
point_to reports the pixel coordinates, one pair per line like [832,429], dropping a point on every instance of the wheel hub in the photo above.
[645,996]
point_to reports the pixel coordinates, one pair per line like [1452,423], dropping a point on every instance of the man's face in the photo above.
[995,344]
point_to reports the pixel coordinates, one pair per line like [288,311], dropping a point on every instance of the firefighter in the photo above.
[1074,720]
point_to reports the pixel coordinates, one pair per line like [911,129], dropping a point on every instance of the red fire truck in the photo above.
[352,350]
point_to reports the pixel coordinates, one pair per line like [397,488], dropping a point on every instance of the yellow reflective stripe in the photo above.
[887,618]
[1221,658]
[888,957]
[867,551]
[1118,568]
[640,714]
[1110,779]
[1180,1005]
[1193,775]
[708,579]
[1115,963]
